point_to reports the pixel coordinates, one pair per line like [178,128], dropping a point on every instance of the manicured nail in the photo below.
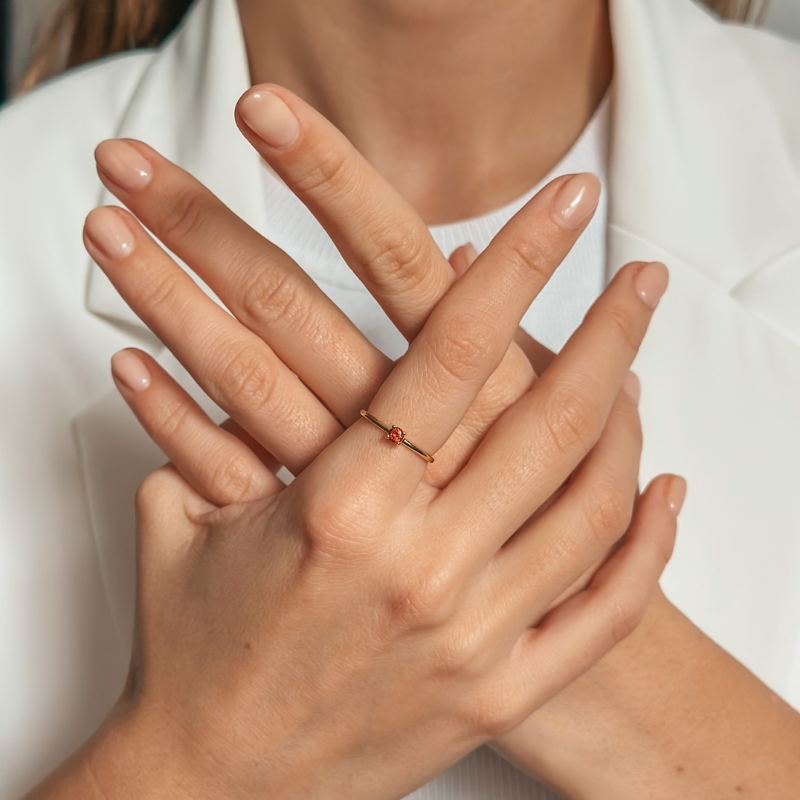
[632,386]
[108,231]
[676,493]
[123,164]
[464,257]
[270,118]
[651,282]
[576,200]
[130,370]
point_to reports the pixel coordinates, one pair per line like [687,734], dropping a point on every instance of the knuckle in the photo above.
[460,347]
[183,218]
[161,291]
[458,653]
[273,296]
[422,601]
[568,420]
[247,381]
[624,616]
[234,477]
[607,514]
[621,321]
[490,714]
[326,172]
[529,256]
[333,525]
[169,419]
[400,259]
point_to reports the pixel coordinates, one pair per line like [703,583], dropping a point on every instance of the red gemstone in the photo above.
[396,435]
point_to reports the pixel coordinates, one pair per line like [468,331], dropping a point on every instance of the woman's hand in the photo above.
[384,241]
[450,354]
[362,621]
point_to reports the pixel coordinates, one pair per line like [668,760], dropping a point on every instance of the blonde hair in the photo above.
[83,30]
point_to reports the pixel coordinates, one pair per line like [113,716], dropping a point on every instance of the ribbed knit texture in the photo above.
[482,775]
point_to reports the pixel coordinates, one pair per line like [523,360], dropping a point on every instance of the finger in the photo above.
[468,332]
[538,442]
[263,455]
[555,549]
[380,236]
[236,368]
[261,285]
[462,257]
[537,354]
[213,461]
[576,634]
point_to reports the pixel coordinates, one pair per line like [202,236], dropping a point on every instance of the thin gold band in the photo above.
[396,435]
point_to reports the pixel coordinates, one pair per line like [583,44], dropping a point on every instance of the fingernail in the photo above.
[651,282]
[632,386]
[576,200]
[464,257]
[270,118]
[676,493]
[130,370]
[108,231]
[123,164]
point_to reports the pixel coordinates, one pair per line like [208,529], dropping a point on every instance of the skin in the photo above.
[635,703]
[402,584]
[461,89]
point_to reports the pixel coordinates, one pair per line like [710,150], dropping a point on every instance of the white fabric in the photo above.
[703,174]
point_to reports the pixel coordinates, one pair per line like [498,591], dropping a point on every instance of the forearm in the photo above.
[666,714]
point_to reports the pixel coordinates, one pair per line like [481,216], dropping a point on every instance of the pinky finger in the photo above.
[576,634]
[214,461]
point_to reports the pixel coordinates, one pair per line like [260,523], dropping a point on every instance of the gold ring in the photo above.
[396,436]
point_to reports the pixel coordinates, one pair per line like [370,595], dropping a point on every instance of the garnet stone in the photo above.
[396,435]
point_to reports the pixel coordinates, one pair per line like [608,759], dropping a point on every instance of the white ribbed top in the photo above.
[482,775]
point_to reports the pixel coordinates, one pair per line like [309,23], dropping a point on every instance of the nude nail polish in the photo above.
[632,386]
[109,233]
[122,162]
[270,118]
[130,371]
[651,282]
[676,493]
[576,200]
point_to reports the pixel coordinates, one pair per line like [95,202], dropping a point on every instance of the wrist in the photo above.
[134,755]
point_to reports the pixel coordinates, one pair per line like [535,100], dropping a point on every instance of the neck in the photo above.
[460,106]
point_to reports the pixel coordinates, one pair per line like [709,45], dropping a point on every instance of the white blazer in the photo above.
[704,175]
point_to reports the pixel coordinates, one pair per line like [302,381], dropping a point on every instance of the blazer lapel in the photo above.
[720,382]
[183,107]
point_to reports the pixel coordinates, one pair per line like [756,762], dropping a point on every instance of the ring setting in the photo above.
[396,435]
